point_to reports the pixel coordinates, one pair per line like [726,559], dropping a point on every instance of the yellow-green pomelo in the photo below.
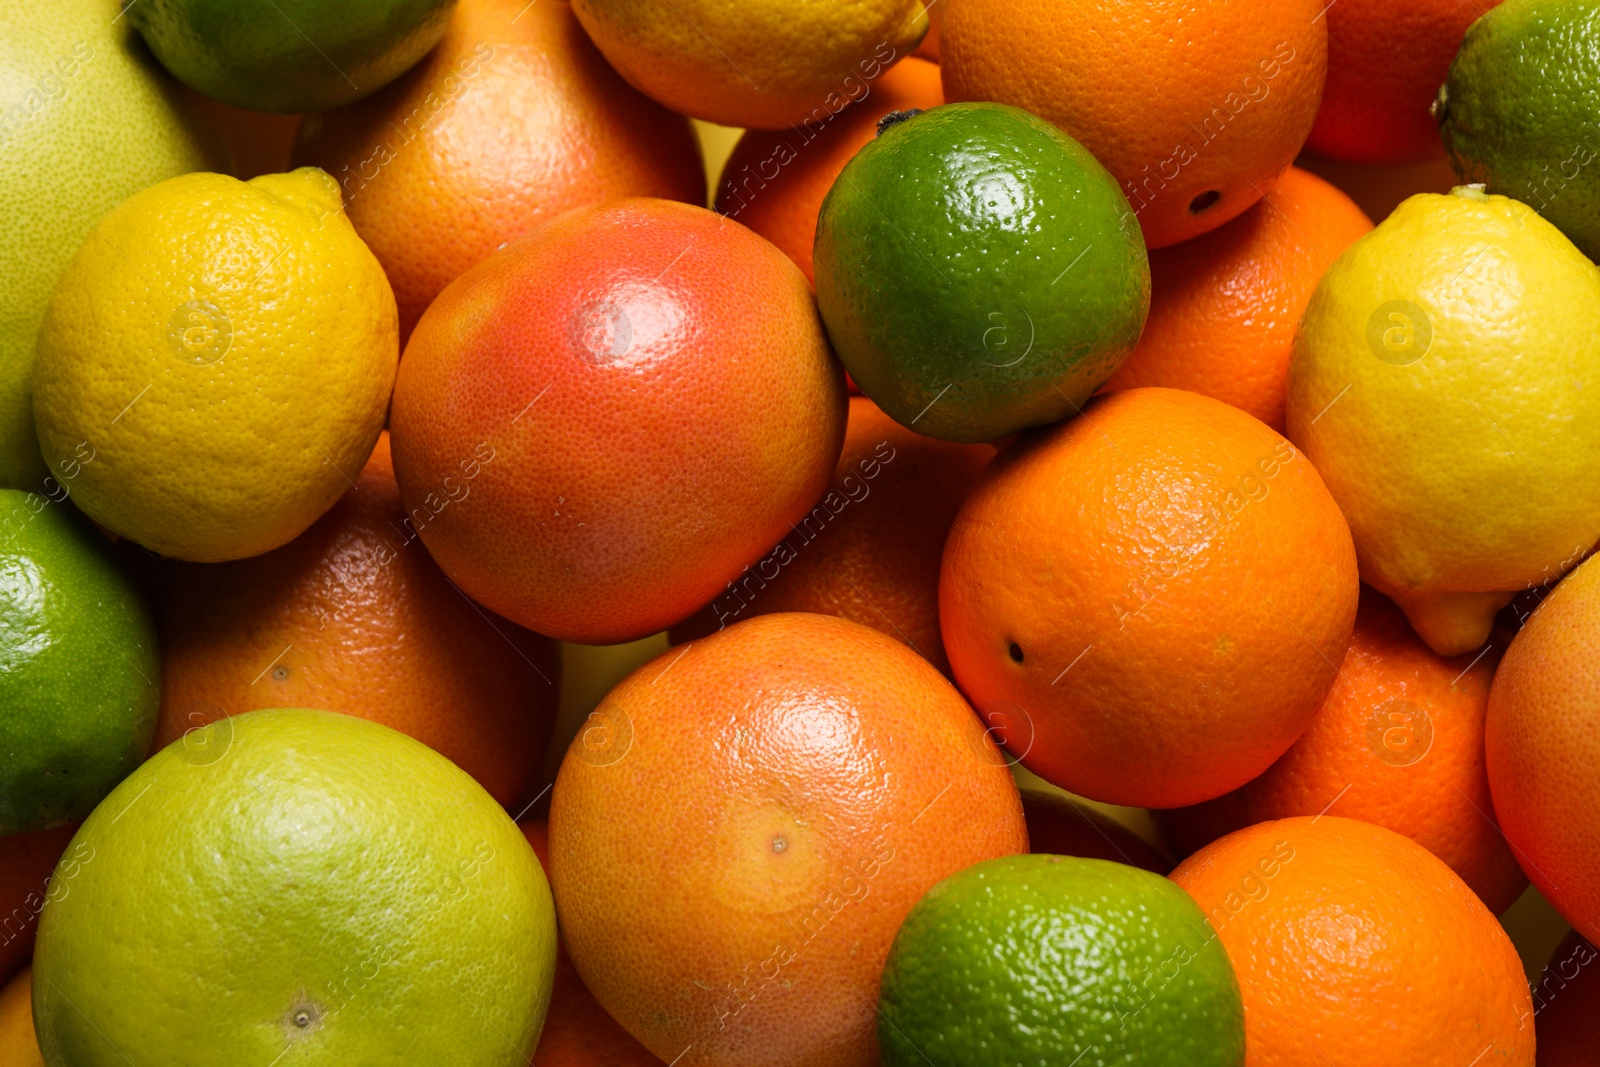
[1446,385]
[226,349]
[87,119]
[295,888]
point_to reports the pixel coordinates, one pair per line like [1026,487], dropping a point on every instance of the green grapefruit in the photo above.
[296,888]
[87,119]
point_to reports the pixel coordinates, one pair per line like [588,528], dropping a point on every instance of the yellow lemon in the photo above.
[1446,384]
[215,363]
[766,63]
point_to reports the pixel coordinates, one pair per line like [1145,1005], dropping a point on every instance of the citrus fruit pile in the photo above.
[800,533]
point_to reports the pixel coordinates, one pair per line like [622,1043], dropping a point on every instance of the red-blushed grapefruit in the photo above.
[646,403]
[742,825]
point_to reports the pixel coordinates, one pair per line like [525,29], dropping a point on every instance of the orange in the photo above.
[577,1031]
[1195,105]
[1148,602]
[1224,306]
[647,401]
[1060,826]
[1358,947]
[26,864]
[19,1045]
[1566,1005]
[742,825]
[1386,61]
[514,118]
[1543,744]
[1398,742]
[775,180]
[354,616]
[870,550]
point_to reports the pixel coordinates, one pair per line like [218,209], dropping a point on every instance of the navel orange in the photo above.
[1224,306]
[1355,946]
[1397,742]
[1195,105]
[1148,602]
[577,1031]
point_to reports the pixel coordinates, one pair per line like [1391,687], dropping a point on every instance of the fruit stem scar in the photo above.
[895,118]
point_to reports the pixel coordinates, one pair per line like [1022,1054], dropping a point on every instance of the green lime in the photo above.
[79,674]
[1028,960]
[1519,111]
[979,271]
[87,119]
[300,888]
[289,56]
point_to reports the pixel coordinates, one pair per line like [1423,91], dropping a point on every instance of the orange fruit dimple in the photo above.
[775,180]
[870,549]
[512,119]
[577,1031]
[1149,601]
[354,616]
[1398,742]
[1194,105]
[1386,62]
[1542,741]
[1224,306]
[1358,947]
[647,401]
[738,835]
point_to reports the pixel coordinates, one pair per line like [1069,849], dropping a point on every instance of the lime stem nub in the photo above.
[895,118]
